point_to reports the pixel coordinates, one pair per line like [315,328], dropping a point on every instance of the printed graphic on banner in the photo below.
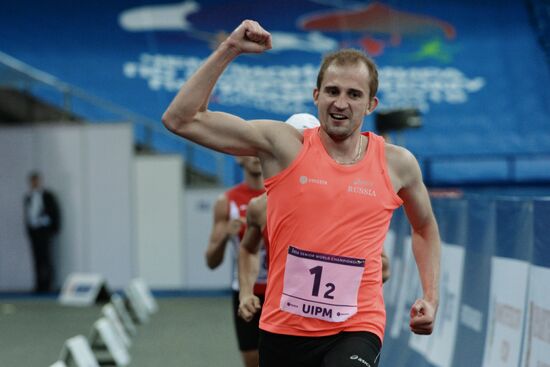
[373,27]
[321,286]
[388,23]
[471,318]
[288,88]
[377,26]
[438,348]
[506,312]
[537,329]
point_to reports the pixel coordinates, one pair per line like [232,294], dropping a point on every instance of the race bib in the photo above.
[321,286]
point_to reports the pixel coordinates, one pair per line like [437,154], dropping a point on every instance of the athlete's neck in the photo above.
[347,150]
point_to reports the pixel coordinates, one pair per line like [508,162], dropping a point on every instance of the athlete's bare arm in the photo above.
[249,259]
[222,228]
[407,180]
[187,116]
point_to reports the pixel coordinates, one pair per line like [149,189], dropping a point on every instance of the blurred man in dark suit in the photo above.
[43,221]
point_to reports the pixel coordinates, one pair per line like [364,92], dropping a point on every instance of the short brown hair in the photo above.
[350,56]
[34,175]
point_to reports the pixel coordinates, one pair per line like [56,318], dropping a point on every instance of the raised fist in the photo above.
[250,37]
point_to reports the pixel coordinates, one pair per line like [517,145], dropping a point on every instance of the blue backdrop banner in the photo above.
[473,68]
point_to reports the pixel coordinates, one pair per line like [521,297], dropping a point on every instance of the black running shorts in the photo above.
[346,349]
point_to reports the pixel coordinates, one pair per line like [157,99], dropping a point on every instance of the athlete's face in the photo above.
[343,99]
[251,165]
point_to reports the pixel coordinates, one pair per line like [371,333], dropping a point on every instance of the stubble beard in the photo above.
[339,133]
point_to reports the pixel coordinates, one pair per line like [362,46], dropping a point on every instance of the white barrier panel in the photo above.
[537,333]
[389,243]
[197,211]
[104,330]
[389,249]
[59,364]
[123,314]
[158,217]
[138,308]
[409,284]
[77,350]
[506,312]
[439,347]
[110,313]
[145,295]
[82,289]
[391,287]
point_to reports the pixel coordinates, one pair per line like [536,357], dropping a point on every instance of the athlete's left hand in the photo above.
[423,317]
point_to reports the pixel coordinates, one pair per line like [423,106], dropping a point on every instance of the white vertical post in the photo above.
[122,312]
[78,350]
[110,313]
[104,330]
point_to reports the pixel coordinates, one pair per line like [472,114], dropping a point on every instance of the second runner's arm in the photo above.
[222,228]
[249,263]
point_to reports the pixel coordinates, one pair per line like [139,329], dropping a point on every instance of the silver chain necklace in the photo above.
[357,155]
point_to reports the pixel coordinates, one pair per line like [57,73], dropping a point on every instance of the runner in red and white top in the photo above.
[229,227]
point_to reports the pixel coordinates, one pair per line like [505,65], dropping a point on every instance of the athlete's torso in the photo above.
[326,224]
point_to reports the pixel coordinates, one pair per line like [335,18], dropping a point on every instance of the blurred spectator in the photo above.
[43,221]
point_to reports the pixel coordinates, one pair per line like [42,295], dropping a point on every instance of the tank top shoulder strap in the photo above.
[379,152]
[378,143]
[309,135]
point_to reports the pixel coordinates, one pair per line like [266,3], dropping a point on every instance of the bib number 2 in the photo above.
[317,272]
[321,286]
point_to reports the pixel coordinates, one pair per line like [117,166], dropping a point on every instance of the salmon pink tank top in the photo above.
[327,223]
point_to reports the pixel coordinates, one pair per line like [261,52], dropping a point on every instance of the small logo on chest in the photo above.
[309,180]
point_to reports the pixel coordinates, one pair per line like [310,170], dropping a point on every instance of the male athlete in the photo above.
[331,194]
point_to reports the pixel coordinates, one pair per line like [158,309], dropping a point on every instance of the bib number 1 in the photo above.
[321,286]
[318,271]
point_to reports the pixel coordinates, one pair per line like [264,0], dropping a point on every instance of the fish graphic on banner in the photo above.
[381,20]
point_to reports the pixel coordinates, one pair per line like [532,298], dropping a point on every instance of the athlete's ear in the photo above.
[316,96]
[372,105]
